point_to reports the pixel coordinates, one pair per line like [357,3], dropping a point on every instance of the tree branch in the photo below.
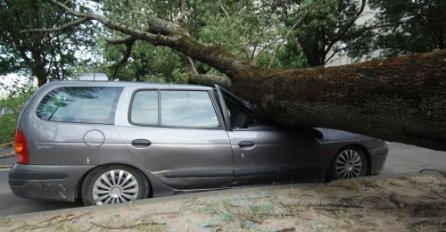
[125,57]
[183,11]
[172,35]
[137,33]
[223,9]
[347,27]
[192,65]
[124,40]
[59,29]
[331,56]
[285,38]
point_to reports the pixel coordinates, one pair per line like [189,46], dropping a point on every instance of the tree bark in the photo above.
[401,99]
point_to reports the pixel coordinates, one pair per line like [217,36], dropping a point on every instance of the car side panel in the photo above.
[276,156]
[183,158]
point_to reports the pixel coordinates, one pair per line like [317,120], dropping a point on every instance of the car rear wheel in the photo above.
[113,185]
[348,163]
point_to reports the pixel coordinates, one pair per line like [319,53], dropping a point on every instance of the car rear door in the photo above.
[178,135]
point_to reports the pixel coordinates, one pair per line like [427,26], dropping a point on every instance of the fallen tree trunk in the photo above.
[401,99]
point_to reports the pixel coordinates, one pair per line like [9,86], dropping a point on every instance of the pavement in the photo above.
[5,151]
[7,158]
[403,158]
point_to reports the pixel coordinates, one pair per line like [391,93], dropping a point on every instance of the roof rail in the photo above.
[93,77]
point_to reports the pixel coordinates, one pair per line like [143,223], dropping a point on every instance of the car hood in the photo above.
[328,135]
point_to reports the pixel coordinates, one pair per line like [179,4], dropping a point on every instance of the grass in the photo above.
[5,222]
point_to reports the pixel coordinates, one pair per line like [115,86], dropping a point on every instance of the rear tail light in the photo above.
[21,148]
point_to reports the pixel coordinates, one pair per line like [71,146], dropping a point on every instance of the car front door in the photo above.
[264,153]
[179,137]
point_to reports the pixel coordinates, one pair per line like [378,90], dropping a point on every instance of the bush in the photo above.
[10,110]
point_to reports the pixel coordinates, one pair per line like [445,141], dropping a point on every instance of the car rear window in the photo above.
[80,104]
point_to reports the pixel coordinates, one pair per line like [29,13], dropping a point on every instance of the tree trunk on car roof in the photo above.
[401,99]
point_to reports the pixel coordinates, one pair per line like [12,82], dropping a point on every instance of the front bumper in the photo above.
[378,157]
[48,182]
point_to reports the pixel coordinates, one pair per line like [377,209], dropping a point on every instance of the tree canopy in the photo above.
[254,43]
[44,55]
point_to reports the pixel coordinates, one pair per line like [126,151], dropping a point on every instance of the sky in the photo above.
[7,81]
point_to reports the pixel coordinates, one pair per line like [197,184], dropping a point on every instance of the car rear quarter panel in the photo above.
[62,143]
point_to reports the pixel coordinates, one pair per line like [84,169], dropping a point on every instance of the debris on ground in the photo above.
[405,203]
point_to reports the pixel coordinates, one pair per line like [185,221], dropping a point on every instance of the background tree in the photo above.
[44,55]
[323,25]
[403,27]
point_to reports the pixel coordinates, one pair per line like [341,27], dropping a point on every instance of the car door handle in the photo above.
[141,143]
[246,144]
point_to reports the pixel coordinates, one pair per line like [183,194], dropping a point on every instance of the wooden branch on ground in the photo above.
[127,227]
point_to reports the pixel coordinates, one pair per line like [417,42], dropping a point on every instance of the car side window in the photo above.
[80,104]
[144,108]
[188,109]
[173,108]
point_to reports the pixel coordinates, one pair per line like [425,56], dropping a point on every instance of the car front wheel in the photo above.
[348,163]
[112,185]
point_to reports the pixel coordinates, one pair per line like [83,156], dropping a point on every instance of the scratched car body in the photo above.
[114,142]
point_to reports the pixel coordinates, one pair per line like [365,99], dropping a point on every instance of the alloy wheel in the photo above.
[348,164]
[115,186]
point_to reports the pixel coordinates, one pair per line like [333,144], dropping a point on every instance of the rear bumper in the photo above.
[378,157]
[46,182]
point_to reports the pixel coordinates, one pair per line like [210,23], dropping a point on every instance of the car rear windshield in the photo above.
[80,104]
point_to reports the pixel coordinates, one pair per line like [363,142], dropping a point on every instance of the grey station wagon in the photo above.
[114,142]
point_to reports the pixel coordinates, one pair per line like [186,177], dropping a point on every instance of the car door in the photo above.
[179,137]
[265,153]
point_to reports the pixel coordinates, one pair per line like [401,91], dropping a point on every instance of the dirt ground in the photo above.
[405,203]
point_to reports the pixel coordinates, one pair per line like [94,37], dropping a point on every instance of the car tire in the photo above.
[113,184]
[350,162]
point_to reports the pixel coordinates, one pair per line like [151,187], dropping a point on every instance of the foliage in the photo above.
[246,28]
[279,34]
[405,26]
[243,27]
[145,62]
[45,55]
[12,106]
